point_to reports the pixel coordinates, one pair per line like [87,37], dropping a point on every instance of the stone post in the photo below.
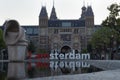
[16,71]
[14,37]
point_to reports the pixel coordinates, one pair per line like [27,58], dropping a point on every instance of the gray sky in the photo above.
[27,11]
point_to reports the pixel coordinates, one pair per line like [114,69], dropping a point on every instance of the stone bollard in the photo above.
[14,37]
[16,71]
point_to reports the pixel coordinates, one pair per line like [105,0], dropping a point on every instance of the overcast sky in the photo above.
[27,11]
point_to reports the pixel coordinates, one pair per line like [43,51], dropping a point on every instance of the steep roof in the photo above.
[43,12]
[53,14]
[83,12]
[89,11]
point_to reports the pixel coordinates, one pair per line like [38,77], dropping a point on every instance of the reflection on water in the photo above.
[17,71]
[68,64]
[12,71]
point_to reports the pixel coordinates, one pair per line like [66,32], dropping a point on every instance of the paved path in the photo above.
[105,64]
[103,75]
[112,72]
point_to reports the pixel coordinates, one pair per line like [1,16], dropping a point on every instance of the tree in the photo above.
[42,51]
[84,51]
[31,47]
[89,47]
[103,36]
[2,43]
[113,21]
[103,39]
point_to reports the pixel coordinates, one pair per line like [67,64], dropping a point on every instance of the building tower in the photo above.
[83,13]
[89,23]
[53,13]
[89,17]
[82,18]
[43,29]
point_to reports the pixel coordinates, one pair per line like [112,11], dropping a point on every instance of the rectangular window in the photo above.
[65,30]
[66,37]
[76,31]
[35,30]
[66,24]
[55,31]
[29,31]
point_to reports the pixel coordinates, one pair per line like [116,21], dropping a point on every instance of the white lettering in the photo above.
[66,55]
[77,56]
[61,64]
[66,64]
[56,55]
[61,56]
[70,55]
[72,65]
[52,56]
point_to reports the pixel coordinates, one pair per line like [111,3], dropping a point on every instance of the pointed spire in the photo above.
[83,8]
[89,11]
[53,3]
[83,11]
[84,3]
[43,12]
[53,13]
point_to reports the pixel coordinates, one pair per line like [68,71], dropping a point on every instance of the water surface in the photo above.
[37,69]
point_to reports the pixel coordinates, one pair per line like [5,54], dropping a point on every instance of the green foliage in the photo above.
[113,20]
[89,47]
[114,10]
[2,43]
[42,51]
[109,35]
[31,47]
[84,51]
[2,76]
[103,36]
